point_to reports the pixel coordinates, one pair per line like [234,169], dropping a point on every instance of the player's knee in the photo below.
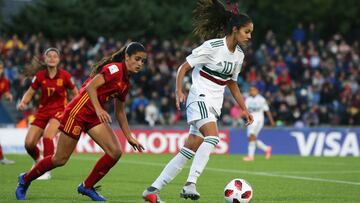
[29,145]
[59,161]
[252,138]
[115,153]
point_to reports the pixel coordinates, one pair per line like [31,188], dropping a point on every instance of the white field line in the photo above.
[241,172]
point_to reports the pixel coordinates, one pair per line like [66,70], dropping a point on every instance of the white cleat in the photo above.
[45,176]
[6,161]
[189,191]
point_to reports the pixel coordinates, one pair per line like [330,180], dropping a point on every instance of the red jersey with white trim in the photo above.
[4,85]
[116,85]
[53,90]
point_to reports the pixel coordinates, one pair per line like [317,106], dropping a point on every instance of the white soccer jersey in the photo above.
[257,106]
[213,65]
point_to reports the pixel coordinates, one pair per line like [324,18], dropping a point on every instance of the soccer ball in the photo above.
[238,191]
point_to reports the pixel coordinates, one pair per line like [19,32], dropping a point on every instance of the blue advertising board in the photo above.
[304,141]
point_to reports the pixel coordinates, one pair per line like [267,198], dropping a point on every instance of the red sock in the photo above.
[34,153]
[100,169]
[40,168]
[1,153]
[48,146]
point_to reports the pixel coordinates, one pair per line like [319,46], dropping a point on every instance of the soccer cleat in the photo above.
[45,176]
[268,152]
[152,196]
[21,188]
[189,191]
[6,161]
[248,158]
[90,192]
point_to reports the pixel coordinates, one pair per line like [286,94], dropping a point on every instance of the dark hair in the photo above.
[118,56]
[37,64]
[212,20]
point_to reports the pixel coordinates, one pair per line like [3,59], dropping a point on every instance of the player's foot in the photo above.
[268,152]
[21,188]
[152,196]
[6,161]
[189,191]
[248,158]
[45,176]
[90,192]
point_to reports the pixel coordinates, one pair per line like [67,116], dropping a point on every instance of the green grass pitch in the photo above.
[281,179]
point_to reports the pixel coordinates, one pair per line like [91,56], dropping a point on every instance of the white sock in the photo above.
[261,145]
[251,148]
[202,157]
[173,168]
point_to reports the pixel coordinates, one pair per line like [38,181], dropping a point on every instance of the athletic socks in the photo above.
[101,168]
[261,145]
[48,146]
[40,168]
[1,153]
[173,168]
[251,148]
[202,157]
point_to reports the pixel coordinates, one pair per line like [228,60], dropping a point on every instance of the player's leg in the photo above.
[105,137]
[251,147]
[175,165]
[65,147]
[209,129]
[50,132]
[3,160]
[32,138]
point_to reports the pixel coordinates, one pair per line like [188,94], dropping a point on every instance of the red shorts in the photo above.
[42,119]
[83,121]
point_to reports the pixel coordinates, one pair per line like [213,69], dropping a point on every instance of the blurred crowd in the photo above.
[308,81]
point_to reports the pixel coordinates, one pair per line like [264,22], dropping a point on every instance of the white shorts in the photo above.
[198,113]
[255,128]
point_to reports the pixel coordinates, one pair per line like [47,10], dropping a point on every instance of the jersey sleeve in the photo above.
[265,105]
[69,81]
[111,72]
[200,55]
[237,70]
[35,82]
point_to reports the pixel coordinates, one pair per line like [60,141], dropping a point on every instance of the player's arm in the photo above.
[124,125]
[180,96]
[270,117]
[26,99]
[74,92]
[235,91]
[91,89]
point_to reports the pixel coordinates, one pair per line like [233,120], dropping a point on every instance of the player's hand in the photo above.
[22,106]
[103,116]
[249,118]
[180,98]
[135,144]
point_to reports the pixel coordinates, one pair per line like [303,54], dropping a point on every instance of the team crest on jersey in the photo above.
[113,69]
[59,82]
[76,130]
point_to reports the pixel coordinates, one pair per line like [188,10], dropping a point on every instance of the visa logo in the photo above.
[330,144]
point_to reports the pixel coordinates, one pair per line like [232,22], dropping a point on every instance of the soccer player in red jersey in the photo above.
[53,83]
[85,113]
[4,90]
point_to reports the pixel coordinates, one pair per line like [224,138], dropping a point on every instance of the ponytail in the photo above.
[118,56]
[212,20]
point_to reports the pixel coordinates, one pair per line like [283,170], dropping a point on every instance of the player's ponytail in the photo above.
[212,20]
[117,56]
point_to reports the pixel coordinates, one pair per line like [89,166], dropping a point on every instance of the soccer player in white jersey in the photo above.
[215,65]
[257,105]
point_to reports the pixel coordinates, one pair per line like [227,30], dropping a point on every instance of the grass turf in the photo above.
[281,179]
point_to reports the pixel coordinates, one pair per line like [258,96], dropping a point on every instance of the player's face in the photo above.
[52,59]
[135,62]
[253,91]
[243,34]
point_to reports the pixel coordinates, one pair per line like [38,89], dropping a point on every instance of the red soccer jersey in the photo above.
[4,85]
[53,90]
[116,86]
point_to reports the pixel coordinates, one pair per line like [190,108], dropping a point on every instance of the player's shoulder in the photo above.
[215,43]
[64,72]
[114,67]
[41,73]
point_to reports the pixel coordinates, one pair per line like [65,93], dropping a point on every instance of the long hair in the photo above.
[37,64]
[117,56]
[213,20]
